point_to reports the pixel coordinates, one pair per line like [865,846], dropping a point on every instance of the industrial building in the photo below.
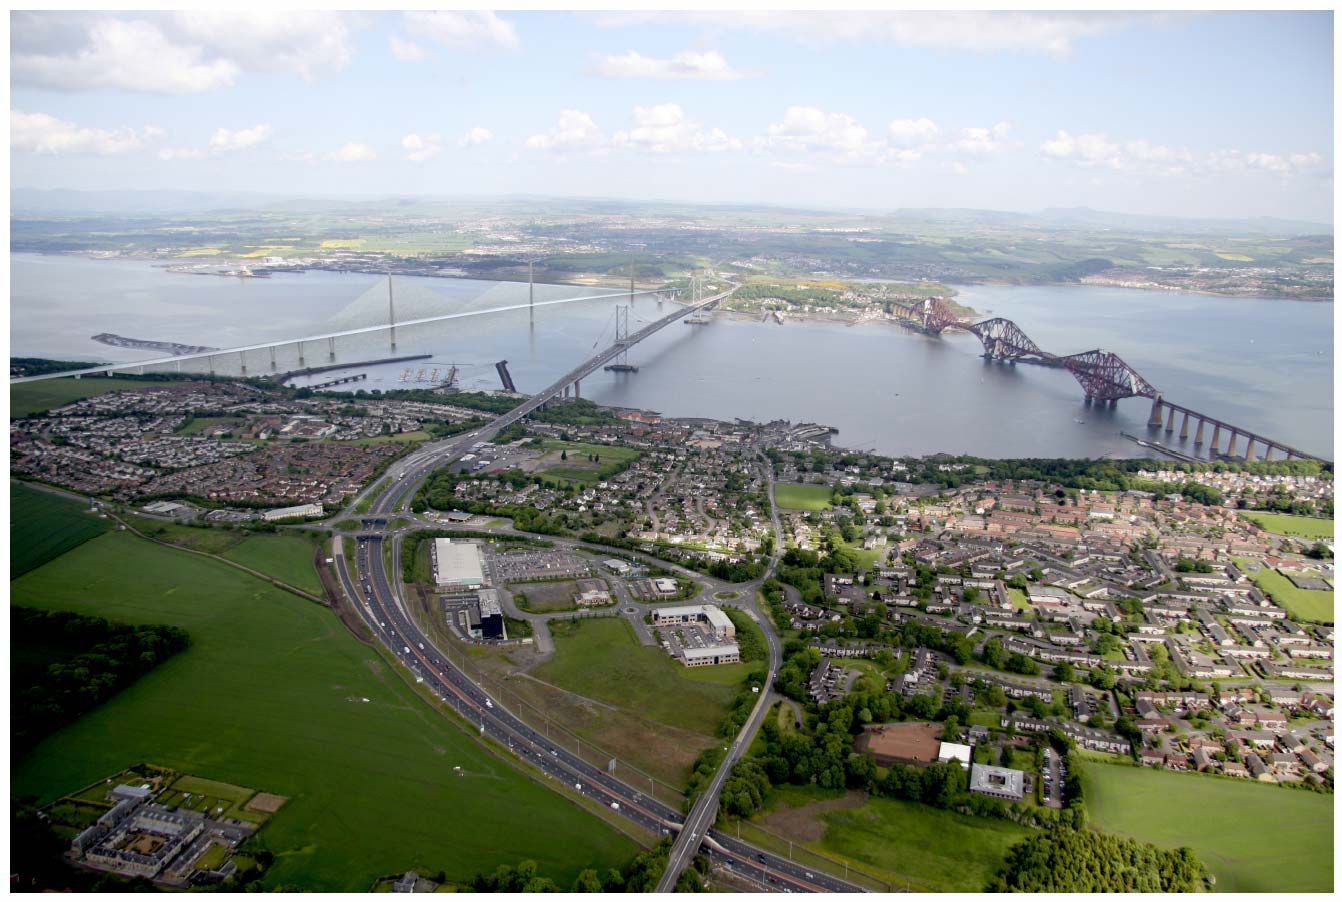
[301,510]
[486,616]
[457,565]
[719,623]
[998,782]
[714,654]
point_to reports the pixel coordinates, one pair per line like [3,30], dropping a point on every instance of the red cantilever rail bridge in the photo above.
[1104,376]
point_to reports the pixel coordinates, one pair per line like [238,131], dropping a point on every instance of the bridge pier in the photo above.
[332,347]
[1197,439]
[577,388]
[211,366]
[1216,439]
[1233,436]
[273,365]
[1169,423]
[1248,450]
[301,362]
[242,359]
[1154,419]
[1183,429]
[1113,402]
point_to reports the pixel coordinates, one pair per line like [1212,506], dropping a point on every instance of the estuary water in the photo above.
[1262,364]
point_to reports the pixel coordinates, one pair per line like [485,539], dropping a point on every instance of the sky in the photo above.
[1189,114]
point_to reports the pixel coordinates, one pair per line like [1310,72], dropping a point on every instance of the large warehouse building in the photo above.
[457,565]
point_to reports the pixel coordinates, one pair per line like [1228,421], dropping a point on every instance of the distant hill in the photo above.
[65,202]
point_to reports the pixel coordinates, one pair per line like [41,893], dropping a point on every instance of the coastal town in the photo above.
[1161,622]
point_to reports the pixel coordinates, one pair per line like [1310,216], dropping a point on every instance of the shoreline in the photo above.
[166,262]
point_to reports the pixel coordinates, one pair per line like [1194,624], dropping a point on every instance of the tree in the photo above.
[563,455]
[588,882]
[950,729]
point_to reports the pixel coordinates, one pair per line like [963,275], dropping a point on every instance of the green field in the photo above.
[1288,525]
[44,526]
[931,849]
[601,659]
[286,557]
[1303,603]
[271,694]
[1252,837]
[197,425]
[577,468]
[28,398]
[1019,601]
[803,497]
[212,540]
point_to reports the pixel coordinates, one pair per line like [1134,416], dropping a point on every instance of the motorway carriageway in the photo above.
[394,628]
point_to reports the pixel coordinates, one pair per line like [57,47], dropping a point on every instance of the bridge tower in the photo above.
[391,312]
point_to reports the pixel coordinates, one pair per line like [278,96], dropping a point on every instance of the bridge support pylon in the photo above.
[1248,450]
[331,349]
[1169,422]
[577,388]
[1183,429]
[1197,438]
[1154,419]
[1233,436]
[1216,439]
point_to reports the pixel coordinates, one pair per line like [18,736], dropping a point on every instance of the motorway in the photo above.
[379,601]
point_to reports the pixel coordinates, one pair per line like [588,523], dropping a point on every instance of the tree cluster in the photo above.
[70,663]
[1082,861]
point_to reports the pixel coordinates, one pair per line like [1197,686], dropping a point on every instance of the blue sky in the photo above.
[1225,114]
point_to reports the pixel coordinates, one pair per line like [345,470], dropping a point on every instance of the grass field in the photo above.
[544,598]
[1303,603]
[44,526]
[199,538]
[286,557]
[602,659]
[1018,599]
[202,424]
[933,850]
[1253,837]
[1288,525]
[803,497]
[28,398]
[271,694]
[577,468]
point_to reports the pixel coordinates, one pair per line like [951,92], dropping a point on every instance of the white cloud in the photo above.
[418,149]
[913,133]
[983,141]
[467,30]
[810,129]
[172,53]
[43,134]
[405,50]
[689,64]
[130,56]
[303,42]
[1097,150]
[1051,33]
[665,128]
[352,153]
[575,131]
[227,141]
[476,136]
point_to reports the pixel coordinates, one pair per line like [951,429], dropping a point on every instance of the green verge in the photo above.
[803,497]
[270,694]
[902,841]
[1290,525]
[601,659]
[286,557]
[43,526]
[1252,837]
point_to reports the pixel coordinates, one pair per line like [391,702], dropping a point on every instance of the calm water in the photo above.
[1265,365]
